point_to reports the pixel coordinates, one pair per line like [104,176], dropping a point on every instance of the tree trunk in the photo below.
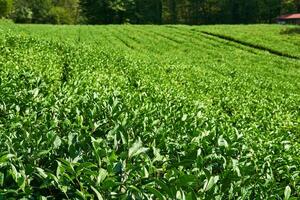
[173,11]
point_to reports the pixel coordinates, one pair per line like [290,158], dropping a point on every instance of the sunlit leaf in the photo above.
[136,149]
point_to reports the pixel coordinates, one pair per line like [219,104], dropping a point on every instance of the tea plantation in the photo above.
[149,112]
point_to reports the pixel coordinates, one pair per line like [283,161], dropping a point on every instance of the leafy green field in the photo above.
[279,38]
[147,112]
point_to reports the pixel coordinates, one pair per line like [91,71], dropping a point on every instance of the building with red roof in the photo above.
[289,19]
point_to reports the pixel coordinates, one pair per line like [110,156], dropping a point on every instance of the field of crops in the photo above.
[148,112]
[282,39]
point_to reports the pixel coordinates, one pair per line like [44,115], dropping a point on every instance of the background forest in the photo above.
[146,11]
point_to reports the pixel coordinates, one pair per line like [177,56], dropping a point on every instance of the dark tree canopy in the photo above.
[146,11]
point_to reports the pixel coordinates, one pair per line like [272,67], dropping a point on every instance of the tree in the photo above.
[96,11]
[65,12]
[22,12]
[41,10]
[170,11]
[5,7]
[149,11]
[269,9]
[290,6]
[122,10]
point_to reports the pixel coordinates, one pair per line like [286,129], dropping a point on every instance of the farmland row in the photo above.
[281,39]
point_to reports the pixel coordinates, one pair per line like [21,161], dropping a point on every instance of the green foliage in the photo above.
[22,12]
[278,38]
[47,11]
[6,22]
[71,8]
[147,11]
[5,7]
[41,9]
[145,112]
[122,9]
[59,15]
[291,6]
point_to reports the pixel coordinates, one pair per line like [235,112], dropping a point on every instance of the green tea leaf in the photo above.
[210,183]
[155,192]
[42,172]
[287,192]
[99,196]
[57,142]
[136,149]
[222,142]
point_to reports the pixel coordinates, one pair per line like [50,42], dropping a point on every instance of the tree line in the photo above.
[146,11]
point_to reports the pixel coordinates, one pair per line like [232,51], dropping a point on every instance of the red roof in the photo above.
[290,16]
